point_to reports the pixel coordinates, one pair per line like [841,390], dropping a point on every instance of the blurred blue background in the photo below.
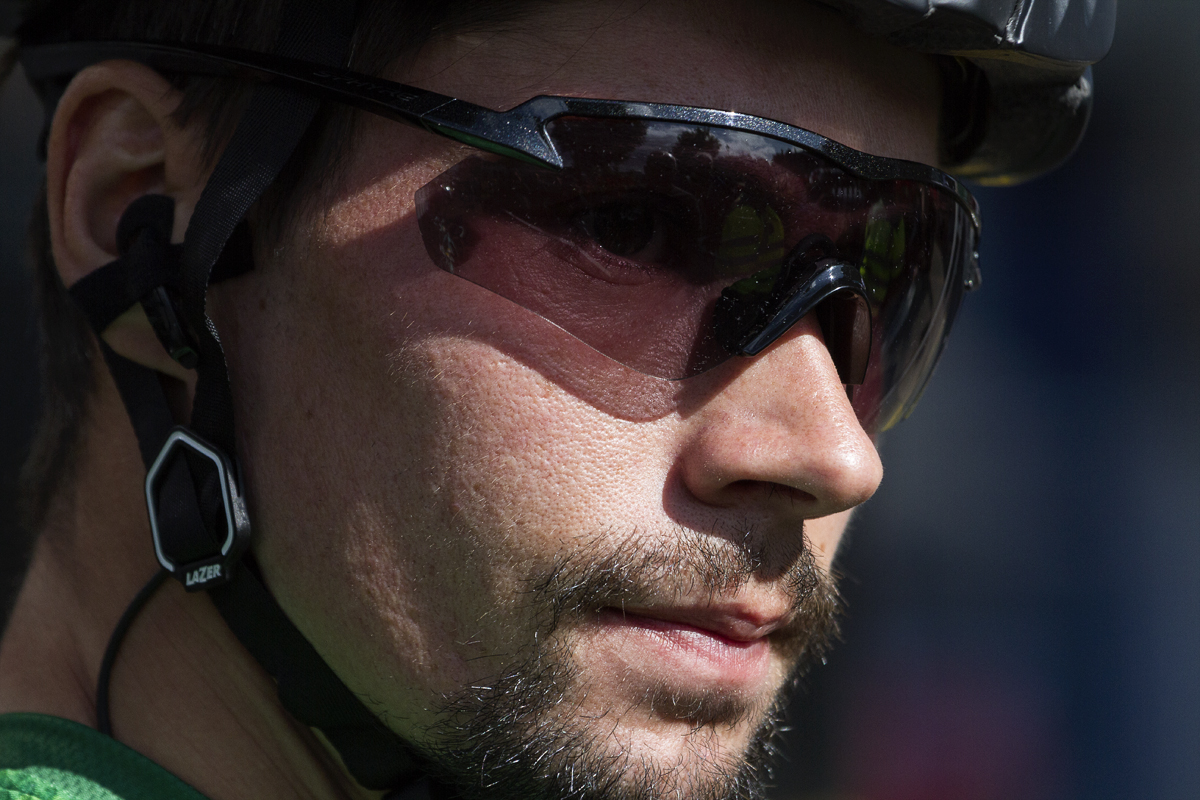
[1024,591]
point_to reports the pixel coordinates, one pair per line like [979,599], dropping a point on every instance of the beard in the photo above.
[523,735]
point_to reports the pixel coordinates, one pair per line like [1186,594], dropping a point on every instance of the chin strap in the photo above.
[199,522]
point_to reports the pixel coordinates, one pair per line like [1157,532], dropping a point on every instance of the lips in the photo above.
[689,650]
[737,624]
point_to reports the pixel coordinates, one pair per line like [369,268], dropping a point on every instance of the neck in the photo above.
[184,692]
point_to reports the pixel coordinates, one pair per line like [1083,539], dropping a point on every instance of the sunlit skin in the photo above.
[417,449]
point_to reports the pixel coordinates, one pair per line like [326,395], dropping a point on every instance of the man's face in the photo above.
[517,551]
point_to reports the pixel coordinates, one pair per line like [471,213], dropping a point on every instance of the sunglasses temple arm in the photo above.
[516,133]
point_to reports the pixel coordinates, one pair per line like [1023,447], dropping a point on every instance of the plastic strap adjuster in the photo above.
[217,568]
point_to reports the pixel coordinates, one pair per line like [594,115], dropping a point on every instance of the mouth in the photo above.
[727,650]
[734,624]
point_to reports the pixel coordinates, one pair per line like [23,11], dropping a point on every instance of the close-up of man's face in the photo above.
[489,399]
[485,399]
[541,566]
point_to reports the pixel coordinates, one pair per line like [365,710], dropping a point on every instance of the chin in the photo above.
[652,669]
[605,734]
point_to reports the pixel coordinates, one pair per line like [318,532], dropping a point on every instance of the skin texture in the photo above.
[419,452]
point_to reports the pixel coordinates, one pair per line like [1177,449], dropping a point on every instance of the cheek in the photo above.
[341,450]
[406,481]
[529,466]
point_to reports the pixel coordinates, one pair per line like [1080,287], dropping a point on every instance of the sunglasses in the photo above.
[669,238]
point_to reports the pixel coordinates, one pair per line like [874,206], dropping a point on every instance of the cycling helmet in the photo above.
[1017,72]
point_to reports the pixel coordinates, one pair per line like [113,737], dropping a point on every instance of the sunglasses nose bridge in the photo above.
[848,344]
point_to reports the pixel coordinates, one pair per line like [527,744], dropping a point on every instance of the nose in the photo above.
[782,433]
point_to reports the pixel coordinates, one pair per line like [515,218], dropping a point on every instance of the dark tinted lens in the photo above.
[915,279]
[630,246]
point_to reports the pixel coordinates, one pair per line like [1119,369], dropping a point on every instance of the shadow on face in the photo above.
[476,445]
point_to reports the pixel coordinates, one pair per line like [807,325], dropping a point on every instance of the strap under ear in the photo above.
[193,486]
[270,130]
[147,260]
[196,516]
[147,272]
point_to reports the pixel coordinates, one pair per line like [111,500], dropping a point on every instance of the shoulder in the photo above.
[49,758]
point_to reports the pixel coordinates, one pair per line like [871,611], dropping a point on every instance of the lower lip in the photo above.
[681,650]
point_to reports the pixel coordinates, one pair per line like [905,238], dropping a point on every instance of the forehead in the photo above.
[786,60]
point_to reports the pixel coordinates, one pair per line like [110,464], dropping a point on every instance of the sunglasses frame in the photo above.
[519,132]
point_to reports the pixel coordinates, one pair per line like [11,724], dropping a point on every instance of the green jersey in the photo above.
[48,758]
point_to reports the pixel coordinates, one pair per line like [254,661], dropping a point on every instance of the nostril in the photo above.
[770,490]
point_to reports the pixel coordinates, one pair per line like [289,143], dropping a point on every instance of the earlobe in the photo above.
[113,140]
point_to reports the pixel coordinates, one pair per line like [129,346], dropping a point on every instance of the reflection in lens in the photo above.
[752,239]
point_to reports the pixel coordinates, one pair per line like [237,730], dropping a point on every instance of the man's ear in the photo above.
[113,140]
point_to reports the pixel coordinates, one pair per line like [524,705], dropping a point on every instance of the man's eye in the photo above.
[626,230]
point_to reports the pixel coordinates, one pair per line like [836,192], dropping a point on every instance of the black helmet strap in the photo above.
[198,515]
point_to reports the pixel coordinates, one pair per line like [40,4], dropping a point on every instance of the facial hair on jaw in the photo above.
[518,736]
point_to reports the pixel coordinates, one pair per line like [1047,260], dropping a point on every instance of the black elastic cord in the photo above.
[103,718]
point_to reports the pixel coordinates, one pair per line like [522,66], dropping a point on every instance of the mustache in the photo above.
[606,570]
[518,737]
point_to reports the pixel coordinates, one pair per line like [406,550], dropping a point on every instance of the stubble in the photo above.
[524,734]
